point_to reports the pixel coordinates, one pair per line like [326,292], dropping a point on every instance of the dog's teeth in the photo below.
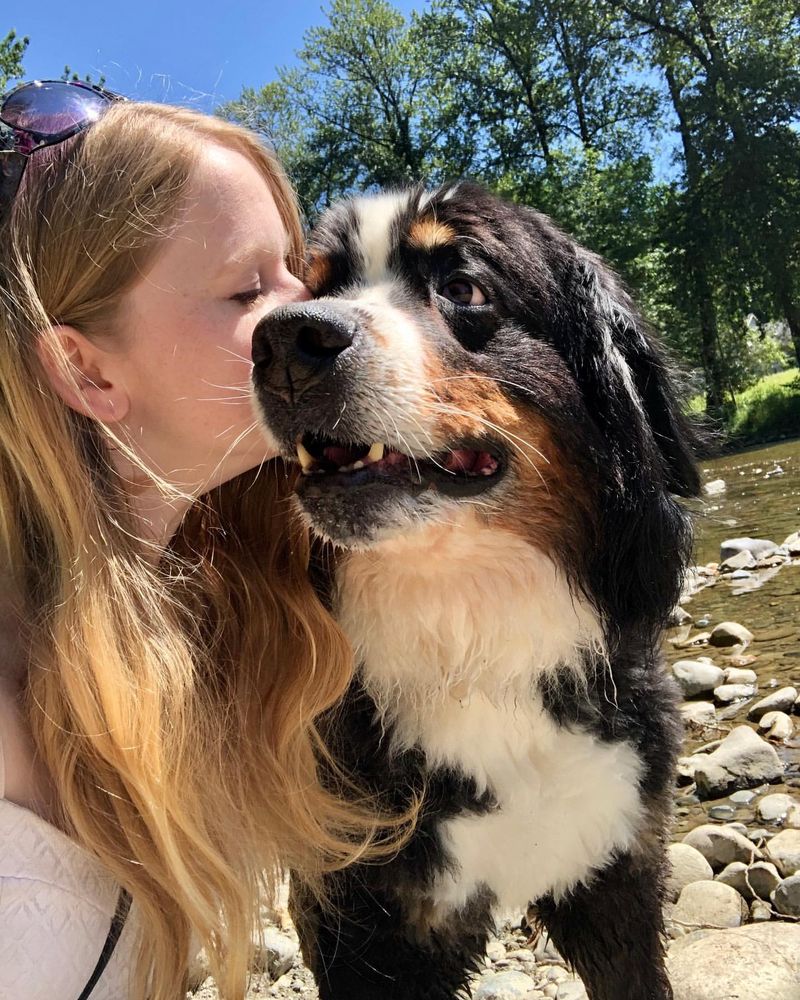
[376,452]
[305,457]
[357,465]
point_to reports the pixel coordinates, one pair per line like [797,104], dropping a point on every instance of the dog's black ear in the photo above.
[625,377]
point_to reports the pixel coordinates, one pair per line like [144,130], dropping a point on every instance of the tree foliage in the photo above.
[12,49]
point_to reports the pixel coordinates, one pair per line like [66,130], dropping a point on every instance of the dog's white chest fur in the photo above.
[451,634]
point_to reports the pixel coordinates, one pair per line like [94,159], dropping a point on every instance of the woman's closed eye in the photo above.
[248,297]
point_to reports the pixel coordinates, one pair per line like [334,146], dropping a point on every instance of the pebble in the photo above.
[781,700]
[792,544]
[780,809]
[757,547]
[714,487]
[727,693]
[698,714]
[274,952]
[776,726]
[760,910]
[503,986]
[679,616]
[720,845]
[697,676]
[687,865]
[742,760]
[740,675]
[742,560]
[721,812]
[571,990]
[751,881]
[786,897]
[784,851]
[730,634]
[757,962]
[707,904]
[743,797]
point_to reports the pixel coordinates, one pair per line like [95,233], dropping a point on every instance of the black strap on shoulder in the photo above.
[114,931]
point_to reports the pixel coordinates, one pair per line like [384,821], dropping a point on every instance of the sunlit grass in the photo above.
[769,409]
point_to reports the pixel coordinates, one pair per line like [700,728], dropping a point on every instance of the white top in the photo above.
[56,907]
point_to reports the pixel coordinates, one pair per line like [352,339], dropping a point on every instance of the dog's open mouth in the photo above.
[467,467]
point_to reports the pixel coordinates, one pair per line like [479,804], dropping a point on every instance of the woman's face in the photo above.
[186,327]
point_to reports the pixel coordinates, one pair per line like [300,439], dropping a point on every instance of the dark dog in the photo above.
[487,430]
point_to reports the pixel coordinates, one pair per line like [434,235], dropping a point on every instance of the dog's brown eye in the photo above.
[463,293]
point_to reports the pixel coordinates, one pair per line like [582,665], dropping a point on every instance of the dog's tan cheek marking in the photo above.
[549,498]
[430,235]
[318,273]
[546,500]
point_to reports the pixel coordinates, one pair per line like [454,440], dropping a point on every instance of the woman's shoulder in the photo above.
[56,905]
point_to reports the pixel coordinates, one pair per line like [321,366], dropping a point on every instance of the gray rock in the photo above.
[697,676]
[698,714]
[757,962]
[776,726]
[740,675]
[707,904]
[731,633]
[274,952]
[792,544]
[571,989]
[786,897]
[495,950]
[757,547]
[784,851]
[744,797]
[781,700]
[742,760]
[780,809]
[688,865]
[720,845]
[725,694]
[760,910]
[714,487]
[756,881]
[679,616]
[742,560]
[503,986]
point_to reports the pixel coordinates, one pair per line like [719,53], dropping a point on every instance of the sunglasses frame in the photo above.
[13,161]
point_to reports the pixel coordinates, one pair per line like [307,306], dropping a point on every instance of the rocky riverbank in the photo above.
[733,917]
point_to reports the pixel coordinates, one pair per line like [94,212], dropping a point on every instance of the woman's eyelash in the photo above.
[247,297]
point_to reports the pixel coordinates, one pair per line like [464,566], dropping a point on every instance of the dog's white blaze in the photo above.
[452,624]
[398,367]
[375,217]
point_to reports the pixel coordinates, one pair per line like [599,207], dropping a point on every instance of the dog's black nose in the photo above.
[296,346]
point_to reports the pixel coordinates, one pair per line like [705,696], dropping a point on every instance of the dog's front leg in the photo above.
[365,946]
[612,930]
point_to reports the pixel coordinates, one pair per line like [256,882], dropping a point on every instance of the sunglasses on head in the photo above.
[43,113]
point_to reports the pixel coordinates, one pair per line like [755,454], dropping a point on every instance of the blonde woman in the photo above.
[163,654]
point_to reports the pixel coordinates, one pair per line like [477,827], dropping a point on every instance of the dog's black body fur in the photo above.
[563,342]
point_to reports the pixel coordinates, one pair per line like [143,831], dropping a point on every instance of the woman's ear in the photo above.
[87,383]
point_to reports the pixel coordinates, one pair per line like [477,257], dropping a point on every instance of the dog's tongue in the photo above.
[470,463]
[341,456]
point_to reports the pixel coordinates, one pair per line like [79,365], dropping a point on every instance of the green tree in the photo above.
[12,49]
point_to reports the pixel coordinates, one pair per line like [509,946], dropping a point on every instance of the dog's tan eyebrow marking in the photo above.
[318,272]
[430,234]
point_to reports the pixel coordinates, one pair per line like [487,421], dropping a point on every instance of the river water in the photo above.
[761,499]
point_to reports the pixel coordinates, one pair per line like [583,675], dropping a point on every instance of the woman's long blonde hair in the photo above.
[173,704]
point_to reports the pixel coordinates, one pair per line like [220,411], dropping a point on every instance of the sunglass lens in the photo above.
[50,108]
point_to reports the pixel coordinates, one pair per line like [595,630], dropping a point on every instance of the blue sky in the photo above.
[199,53]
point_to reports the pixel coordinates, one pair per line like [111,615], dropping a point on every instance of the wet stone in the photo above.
[781,700]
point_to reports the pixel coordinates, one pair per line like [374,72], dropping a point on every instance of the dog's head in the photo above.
[462,350]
